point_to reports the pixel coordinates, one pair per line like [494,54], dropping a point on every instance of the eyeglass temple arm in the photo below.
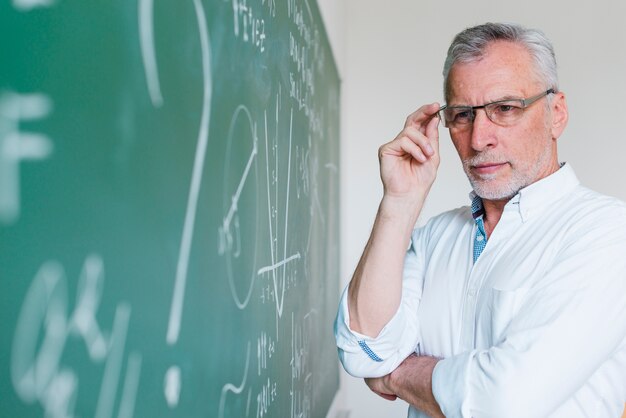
[526,102]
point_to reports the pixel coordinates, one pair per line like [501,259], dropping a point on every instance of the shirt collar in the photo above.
[477,206]
[533,199]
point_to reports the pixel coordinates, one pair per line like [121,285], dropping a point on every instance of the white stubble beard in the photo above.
[522,174]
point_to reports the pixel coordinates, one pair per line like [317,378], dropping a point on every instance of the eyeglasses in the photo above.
[502,112]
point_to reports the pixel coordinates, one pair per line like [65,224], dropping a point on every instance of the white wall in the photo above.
[390,56]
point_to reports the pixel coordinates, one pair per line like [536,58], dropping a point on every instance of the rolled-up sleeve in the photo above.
[364,356]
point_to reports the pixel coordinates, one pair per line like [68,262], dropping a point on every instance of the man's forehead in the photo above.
[505,70]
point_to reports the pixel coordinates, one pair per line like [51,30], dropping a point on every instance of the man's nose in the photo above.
[483,132]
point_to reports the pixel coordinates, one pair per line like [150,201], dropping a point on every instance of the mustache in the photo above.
[483,158]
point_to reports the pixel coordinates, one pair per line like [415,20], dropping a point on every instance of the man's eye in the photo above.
[462,116]
[505,108]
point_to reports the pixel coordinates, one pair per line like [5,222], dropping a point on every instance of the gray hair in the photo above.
[470,44]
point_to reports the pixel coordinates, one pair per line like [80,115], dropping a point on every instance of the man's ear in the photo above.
[560,114]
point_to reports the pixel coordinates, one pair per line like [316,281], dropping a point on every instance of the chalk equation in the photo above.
[18,146]
[247,23]
[37,371]
[256,400]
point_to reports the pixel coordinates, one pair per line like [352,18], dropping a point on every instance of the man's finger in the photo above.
[403,145]
[386,396]
[375,385]
[432,133]
[422,116]
[420,137]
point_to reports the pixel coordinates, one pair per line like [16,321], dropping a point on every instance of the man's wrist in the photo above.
[412,382]
[403,211]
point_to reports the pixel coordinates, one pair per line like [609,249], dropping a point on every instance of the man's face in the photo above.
[499,161]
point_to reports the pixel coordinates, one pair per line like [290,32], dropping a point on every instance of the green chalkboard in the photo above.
[169,203]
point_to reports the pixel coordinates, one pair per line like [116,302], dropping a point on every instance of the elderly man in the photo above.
[514,306]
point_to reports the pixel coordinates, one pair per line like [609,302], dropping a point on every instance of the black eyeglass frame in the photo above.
[524,104]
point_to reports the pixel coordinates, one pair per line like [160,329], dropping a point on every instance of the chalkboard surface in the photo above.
[168,209]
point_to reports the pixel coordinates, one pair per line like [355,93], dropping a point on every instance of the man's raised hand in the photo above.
[409,163]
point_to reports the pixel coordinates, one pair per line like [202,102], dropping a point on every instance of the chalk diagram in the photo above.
[240,226]
[278,211]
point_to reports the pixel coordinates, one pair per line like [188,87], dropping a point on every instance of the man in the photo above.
[514,306]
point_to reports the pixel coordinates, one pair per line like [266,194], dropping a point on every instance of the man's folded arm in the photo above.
[366,356]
